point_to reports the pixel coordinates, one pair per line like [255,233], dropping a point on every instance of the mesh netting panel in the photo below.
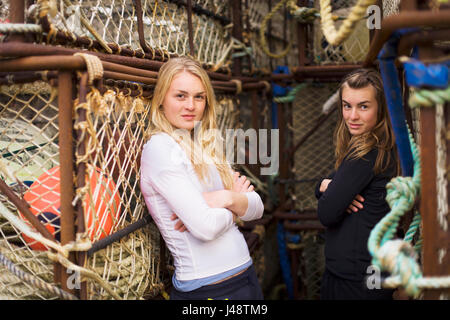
[29,147]
[312,261]
[165,26]
[353,50]
[257,10]
[111,198]
[315,158]
[115,129]
[390,7]
[130,266]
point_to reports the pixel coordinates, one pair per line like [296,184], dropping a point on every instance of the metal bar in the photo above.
[283,160]
[303,226]
[237,33]
[15,49]
[124,76]
[325,69]
[116,236]
[81,175]
[190,31]
[404,20]
[435,238]
[428,205]
[302,37]
[296,216]
[294,270]
[140,28]
[16,15]
[66,167]
[63,62]
[198,9]
[43,63]
[23,207]
[423,37]
[255,168]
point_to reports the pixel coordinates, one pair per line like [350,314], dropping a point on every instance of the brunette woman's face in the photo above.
[185,101]
[359,109]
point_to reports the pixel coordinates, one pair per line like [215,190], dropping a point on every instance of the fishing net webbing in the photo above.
[315,158]
[312,261]
[281,32]
[30,165]
[352,50]
[29,144]
[165,25]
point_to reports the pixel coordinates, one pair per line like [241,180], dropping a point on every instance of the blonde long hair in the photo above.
[381,136]
[208,143]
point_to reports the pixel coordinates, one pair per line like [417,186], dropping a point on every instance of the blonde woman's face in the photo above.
[185,101]
[359,109]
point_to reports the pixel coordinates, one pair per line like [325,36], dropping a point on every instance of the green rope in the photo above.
[428,98]
[401,195]
[398,257]
[291,94]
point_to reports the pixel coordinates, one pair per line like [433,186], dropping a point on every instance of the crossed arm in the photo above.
[356,204]
[234,200]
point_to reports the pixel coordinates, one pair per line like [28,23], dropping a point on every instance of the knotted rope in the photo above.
[262,32]
[337,37]
[398,257]
[291,94]
[94,66]
[428,98]
[35,281]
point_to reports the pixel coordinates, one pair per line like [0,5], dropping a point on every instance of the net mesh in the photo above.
[315,158]
[312,261]
[29,144]
[111,198]
[352,50]
[165,25]
[281,32]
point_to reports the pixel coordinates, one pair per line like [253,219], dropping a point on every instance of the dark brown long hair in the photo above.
[381,136]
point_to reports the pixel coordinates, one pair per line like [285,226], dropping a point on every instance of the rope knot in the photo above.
[399,259]
[238,84]
[94,66]
[401,188]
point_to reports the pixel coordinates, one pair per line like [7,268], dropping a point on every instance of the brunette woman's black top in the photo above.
[346,253]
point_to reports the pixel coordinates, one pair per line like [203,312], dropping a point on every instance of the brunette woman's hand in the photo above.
[324,185]
[356,204]
[241,184]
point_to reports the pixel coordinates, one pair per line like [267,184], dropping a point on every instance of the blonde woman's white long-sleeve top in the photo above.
[169,184]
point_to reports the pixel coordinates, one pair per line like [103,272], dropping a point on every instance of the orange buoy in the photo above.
[101,205]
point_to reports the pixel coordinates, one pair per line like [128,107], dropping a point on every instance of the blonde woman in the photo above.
[191,191]
[352,200]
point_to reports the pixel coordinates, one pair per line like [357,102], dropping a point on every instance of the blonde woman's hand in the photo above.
[241,184]
[179,225]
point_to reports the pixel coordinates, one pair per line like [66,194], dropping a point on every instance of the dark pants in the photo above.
[335,288]
[244,286]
